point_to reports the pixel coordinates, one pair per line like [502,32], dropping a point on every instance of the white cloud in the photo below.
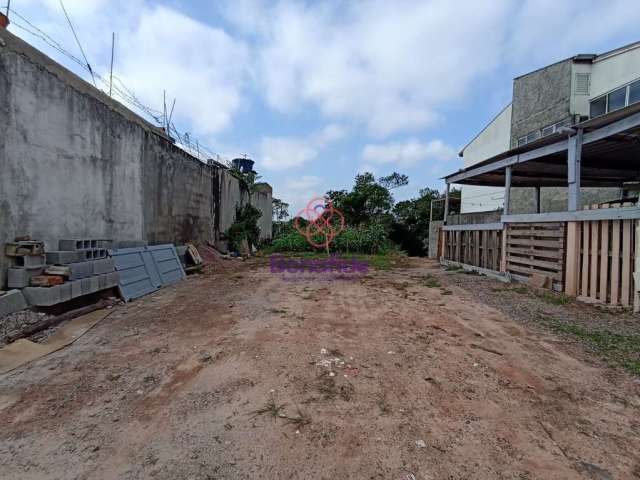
[407,153]
[280,153]
[157,48]
[388,65]
[305,183]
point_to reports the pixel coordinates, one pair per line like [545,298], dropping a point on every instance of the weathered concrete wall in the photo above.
[474,217]
[261,199]
[554,199]
[540,99]
[75,163]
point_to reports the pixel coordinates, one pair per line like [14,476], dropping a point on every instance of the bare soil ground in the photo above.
[237,374]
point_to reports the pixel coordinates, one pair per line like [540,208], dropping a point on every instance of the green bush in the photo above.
[370,239]
[245,227]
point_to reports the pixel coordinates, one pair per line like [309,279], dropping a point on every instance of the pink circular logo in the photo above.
[324,220]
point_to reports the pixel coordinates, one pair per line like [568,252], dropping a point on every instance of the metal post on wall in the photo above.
[8,5]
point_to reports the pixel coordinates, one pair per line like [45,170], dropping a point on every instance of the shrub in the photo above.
[245,227]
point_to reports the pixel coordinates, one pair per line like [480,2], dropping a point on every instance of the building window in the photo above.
[634,92]
[522,141]
[548,130]
[617,99]
[598,107]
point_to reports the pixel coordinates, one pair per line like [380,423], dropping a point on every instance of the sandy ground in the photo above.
[238,374]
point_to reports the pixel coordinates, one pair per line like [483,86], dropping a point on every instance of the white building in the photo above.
[560,94]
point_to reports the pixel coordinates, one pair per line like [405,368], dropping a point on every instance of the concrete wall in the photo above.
[491,141]
[261,199]
[554,199]
[540,99]
[74,163]
[614,69]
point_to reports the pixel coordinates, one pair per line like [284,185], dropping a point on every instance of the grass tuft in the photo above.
[269,408]
[619,349]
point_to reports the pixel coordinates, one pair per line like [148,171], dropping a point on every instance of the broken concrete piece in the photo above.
[46,280]
[15,249]
[12,301]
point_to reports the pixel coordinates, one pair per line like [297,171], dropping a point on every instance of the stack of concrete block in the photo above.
[27,260]
[85,266]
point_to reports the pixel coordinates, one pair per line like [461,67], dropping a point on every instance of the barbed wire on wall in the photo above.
[119,91]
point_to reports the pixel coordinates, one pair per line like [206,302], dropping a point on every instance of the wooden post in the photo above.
[574,156]
[507,189]
[636,271]
[503,259]
[573,259]
[446,204]
[536,198]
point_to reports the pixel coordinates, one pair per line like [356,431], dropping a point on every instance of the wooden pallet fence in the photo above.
[604,261]
[479,248]
[536,248]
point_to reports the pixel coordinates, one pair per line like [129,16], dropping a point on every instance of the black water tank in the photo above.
[245,165]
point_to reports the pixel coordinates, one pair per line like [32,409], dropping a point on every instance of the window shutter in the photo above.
[583,81]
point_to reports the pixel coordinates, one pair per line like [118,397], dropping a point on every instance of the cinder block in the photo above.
[90,285]
[46,280]
[12,301]
[29,261]
[85,285]
[70,244]
[21,277]
[63,257]
[76,288]
[102,281]
[104,265]
[65,292]
[106,244]
[42,296]
[80,270]
[113,279]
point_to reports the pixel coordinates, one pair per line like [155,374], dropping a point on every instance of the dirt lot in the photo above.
[410,373]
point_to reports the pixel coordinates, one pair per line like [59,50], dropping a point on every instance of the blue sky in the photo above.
[316,92]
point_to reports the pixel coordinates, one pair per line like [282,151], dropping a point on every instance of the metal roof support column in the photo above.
[574,156]
[507,189]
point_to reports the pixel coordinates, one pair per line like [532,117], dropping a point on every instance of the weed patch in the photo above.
[619,349]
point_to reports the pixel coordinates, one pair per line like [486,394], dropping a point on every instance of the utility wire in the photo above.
[78,42]
[117,87]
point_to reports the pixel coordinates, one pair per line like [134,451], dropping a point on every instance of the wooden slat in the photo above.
[593,284]
[556,266]
[584,287]
[476,247]
[485,246]
[604,259]
[535,242]
[536,252]
[636,266]
[549,225]
[523,270]
[536,233]
[626,263]
[615,262]
[572,259]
